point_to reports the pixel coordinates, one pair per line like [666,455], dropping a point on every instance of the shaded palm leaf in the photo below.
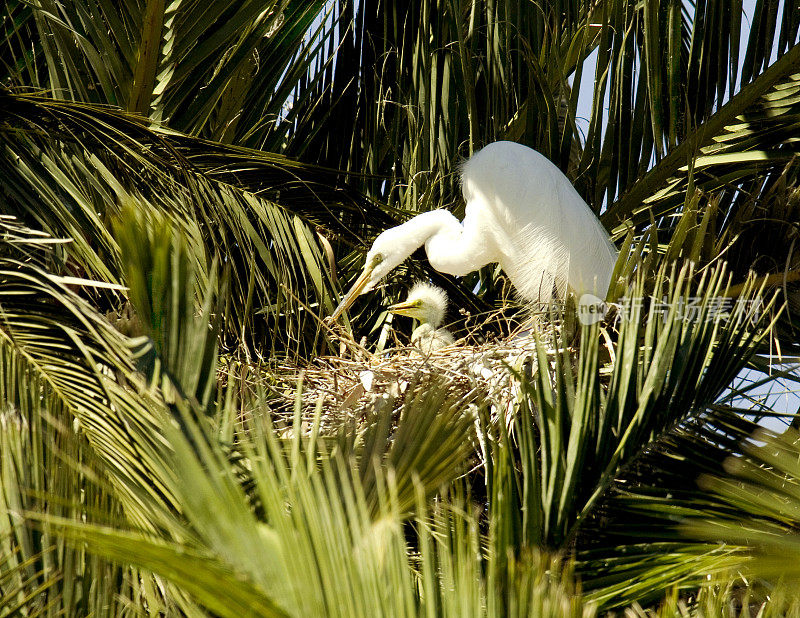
[763,500]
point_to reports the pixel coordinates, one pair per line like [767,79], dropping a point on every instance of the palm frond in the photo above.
[761,492]
[361,569]
[273,254]
[752,132]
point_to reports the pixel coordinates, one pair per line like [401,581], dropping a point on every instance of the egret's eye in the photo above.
[377,259]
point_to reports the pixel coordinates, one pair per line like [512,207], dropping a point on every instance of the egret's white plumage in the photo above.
[427,304]
[521,212]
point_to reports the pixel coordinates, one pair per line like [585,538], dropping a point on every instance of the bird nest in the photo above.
[346,388]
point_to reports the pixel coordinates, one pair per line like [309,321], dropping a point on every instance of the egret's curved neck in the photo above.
[422,227]
[411,235]
[452,247]
[458,248]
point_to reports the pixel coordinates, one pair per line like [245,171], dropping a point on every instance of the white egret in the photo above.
[521,212]
[427,304]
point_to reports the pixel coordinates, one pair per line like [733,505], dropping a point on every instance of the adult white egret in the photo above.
[521,212]
[427,304]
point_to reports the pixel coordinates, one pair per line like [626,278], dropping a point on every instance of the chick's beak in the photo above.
[405,308]
[353,292]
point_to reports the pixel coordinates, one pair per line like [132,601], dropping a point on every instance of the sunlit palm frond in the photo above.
[145,58]
[67,433]
[273,255]
[327,553]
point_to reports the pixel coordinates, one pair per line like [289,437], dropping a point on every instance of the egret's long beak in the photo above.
[406,308]
[353,292]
